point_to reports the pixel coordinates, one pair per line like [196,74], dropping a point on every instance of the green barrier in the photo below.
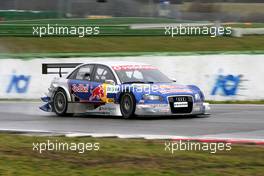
[25,15]
[116,26]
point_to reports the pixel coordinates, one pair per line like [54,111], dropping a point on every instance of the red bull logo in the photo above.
[81,88]
[97,93]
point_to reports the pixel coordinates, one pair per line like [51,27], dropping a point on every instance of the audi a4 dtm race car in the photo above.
[119,89]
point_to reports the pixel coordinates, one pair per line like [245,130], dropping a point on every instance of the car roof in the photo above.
[109,64]
[115,63]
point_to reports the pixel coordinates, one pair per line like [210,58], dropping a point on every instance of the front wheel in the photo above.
[127,105]
[60,103]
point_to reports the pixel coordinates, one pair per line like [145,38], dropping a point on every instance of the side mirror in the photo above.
[110,81]
[173,80]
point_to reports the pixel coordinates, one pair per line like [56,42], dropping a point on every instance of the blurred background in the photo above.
[227,68]
[136,29]
[224,10]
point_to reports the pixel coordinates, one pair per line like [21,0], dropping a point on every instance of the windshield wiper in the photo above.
[140,82]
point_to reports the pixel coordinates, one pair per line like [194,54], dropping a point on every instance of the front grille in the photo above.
[181,101]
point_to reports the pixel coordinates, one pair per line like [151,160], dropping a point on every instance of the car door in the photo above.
[79,83]
[102,81]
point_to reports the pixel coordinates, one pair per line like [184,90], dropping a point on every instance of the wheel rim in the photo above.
[127,104]
[60,102]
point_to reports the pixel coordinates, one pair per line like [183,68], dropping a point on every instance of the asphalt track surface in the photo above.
[231,121]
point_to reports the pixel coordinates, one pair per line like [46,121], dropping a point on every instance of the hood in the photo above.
[165,90]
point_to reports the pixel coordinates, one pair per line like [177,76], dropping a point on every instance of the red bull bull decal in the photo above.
[98,93]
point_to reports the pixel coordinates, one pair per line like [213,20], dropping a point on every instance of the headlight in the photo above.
[197,97]
[152,97]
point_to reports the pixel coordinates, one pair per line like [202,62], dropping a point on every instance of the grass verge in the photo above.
[124,157]
[20,45]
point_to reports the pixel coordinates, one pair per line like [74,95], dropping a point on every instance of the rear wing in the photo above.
[52,66]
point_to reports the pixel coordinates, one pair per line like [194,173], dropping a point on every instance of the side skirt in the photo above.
[111,109]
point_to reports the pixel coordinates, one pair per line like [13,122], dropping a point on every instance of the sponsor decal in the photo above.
[107,109]
[112,89]
[134,67]
[180,104]
[98,93]
[80,88]
[167,91]
[227,85]
[181,99]
[18,84]
[172,87]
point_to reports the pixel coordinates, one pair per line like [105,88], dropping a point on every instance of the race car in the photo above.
[124,89]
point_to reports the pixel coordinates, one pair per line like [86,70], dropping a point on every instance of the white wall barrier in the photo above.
[221,77]
[240,32]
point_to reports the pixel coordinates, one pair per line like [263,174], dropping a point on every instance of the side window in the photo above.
[73,74]
[83,73]
[103,73]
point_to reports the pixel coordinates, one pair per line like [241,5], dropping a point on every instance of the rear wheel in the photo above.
[60,103]
[128,105]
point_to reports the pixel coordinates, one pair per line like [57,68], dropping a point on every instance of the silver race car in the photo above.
[119,89]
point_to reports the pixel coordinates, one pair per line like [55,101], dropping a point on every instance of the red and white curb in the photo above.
[138,136]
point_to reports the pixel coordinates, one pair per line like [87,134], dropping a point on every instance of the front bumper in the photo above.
[164,109]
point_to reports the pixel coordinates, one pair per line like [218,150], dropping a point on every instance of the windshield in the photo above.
[141,75]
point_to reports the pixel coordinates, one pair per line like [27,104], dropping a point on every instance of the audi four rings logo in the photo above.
[181,99]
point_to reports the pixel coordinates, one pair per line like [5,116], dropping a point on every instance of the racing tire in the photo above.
[128,105]
[60,103]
